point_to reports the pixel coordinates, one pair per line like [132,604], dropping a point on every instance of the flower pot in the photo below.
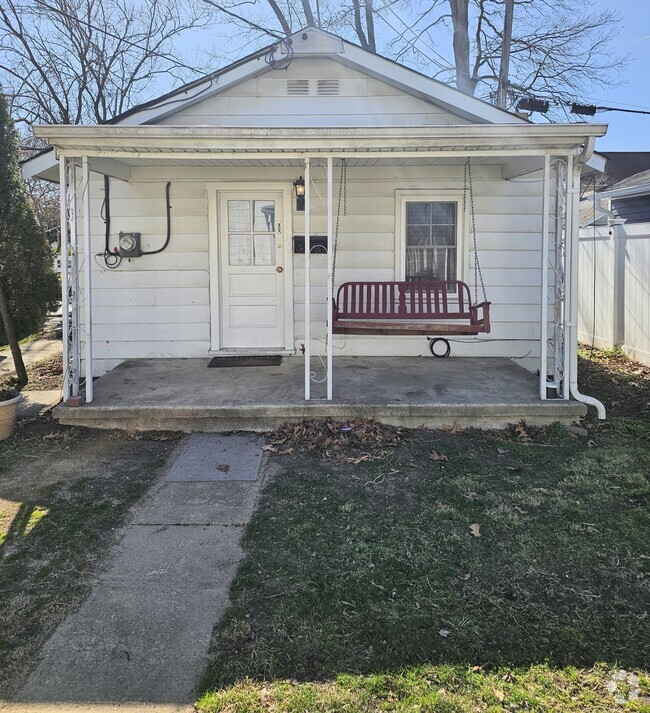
[8,411]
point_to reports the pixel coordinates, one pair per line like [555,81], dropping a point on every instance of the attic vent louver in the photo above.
[296,87]
[328,87]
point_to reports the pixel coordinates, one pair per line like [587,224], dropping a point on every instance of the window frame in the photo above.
[404,196]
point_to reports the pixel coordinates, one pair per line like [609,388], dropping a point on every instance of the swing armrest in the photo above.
[484,317]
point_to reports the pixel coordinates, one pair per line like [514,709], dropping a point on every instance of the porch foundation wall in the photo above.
[185,395]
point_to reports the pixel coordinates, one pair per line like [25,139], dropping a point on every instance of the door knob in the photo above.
[278,269]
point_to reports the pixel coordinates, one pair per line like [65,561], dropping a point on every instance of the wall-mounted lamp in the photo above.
[299,187]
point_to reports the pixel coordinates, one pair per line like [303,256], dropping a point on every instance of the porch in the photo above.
[183,394]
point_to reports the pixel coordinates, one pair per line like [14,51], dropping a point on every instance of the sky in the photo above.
[628,132]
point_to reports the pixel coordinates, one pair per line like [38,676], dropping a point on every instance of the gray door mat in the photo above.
[218,457]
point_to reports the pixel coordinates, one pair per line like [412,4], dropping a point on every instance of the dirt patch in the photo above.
[46,374]
[622,384]
[64,493]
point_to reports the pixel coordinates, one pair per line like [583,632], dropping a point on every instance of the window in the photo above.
[431,240]
[251,232]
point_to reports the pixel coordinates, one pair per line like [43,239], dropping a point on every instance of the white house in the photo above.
[405,179]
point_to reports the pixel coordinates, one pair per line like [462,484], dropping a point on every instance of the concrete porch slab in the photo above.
[183,394]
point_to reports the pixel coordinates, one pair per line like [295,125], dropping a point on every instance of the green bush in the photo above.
[26,274]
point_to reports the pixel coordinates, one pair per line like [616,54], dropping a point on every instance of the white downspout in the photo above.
[573,212]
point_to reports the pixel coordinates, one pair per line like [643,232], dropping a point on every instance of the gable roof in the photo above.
[314,42]
[636,185]
[621,166]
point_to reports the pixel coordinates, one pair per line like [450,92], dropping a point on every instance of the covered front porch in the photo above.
[143,317]
[186,395]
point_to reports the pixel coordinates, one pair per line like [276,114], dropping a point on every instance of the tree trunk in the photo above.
[8,322]
[370,26]
[460,20]
[309,15]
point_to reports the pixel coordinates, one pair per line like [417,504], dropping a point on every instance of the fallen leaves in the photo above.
[475,529]
[224,467]
[434,455]
[521,430]
[351,442]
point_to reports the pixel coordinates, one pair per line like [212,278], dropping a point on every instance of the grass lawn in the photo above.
[392,570]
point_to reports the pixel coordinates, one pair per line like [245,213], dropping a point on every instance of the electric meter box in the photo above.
[129,245]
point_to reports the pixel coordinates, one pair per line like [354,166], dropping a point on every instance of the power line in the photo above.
[417,37]
[627,111]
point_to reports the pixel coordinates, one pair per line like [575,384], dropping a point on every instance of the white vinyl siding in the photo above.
[296,97]
[159,305]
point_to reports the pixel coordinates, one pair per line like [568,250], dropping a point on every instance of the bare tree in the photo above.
[279,18]
[74,61]
[560,49]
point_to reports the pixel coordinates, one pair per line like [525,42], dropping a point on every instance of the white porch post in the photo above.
[65,306]
[568,282]
[543,325]
[307,282]
[73,282]
[88,352]
[330,268]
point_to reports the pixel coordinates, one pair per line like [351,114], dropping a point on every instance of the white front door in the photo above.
[252,270]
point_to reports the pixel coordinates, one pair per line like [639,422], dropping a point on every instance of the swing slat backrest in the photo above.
[403,300]
[399,307]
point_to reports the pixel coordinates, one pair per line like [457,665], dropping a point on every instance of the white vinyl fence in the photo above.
[615,288]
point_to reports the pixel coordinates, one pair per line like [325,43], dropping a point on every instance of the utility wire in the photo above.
[446,66]
[627,111]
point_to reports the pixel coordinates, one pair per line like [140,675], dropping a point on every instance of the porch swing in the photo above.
[435,308]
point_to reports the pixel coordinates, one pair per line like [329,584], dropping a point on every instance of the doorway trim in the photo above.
[213,190]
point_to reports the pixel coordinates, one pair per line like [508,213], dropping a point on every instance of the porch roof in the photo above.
[176,142]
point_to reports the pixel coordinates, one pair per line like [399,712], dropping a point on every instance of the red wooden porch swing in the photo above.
[434,308]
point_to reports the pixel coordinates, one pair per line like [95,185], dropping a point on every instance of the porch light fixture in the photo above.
[299,187]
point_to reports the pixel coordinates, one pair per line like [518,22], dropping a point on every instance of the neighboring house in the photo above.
[203,181]
[614,305]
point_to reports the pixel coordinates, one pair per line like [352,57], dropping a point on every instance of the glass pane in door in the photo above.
[264,216]
[264,249]
[239,248]
[239,216]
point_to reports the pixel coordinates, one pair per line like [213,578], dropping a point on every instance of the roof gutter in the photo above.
[579,160]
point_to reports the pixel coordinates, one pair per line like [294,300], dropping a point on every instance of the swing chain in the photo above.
[478,274]
[343,195]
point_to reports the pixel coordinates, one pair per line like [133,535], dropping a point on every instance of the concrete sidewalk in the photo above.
[140,641]
[33,352]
